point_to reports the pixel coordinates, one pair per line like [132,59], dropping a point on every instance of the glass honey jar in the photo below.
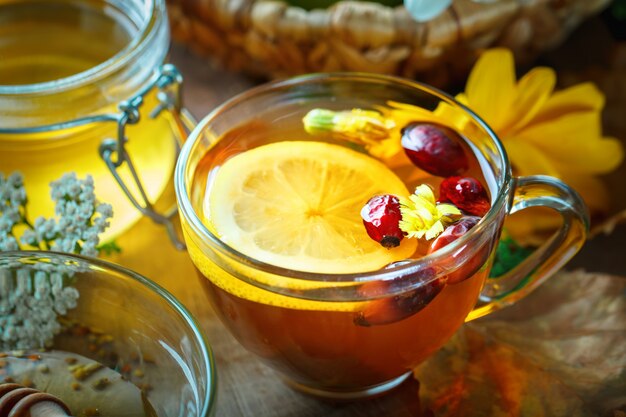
[84,88]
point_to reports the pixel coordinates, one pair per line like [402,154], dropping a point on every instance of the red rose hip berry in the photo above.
[469,266]
[398,307]
[435,149]
[381,217]
[453,232]
[466,193]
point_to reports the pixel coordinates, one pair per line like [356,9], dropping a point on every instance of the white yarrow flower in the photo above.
[33,296]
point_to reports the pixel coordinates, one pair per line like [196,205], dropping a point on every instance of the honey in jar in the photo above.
[82,81]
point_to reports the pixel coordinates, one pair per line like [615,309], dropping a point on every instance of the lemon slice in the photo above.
[297,205]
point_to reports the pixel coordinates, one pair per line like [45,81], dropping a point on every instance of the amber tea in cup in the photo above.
[344,225]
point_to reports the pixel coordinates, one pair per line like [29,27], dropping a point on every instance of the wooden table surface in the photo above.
[246,387]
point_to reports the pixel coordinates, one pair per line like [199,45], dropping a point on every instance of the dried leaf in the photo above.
[561,352]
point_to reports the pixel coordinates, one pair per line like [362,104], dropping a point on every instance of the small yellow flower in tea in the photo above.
[423,217]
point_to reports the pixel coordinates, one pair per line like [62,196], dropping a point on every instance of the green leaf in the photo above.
[109,248]
[618,9]
[509,254]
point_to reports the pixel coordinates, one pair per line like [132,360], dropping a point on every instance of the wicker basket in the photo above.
[271,38]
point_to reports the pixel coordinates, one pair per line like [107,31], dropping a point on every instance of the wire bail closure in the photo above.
[168,82]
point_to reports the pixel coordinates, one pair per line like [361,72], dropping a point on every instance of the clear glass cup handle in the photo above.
[538,191]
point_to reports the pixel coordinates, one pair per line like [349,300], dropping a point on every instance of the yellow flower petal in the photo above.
[596,157]
[447,210]
[531,227]
[593,190]
[579,98]
[453,117]
[491,86]
[422,216]
[403,114]
[558,134]
[462,98]
[387,149]
[532,91]
[575,140]
[434,231]
[425,192]
[528,160]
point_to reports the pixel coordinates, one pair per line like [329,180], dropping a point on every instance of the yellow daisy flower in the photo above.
[545,132]
[423,217]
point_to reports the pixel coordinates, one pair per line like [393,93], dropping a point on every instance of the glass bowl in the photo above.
[106,313]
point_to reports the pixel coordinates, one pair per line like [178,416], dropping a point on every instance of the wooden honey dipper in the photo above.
[19,401]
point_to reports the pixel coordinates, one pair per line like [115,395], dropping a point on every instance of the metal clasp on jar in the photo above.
[168,82]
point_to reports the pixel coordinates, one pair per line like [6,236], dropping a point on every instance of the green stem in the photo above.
[25,217]
[27,223]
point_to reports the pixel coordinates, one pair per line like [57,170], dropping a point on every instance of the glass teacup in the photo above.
[313,328]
